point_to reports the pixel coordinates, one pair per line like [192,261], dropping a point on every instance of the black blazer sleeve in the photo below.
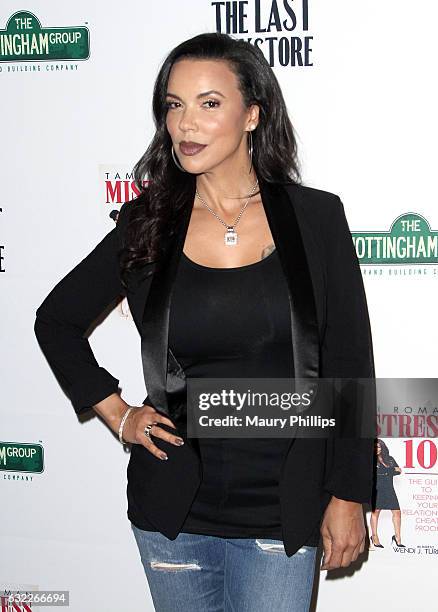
[347,352]
[68,311]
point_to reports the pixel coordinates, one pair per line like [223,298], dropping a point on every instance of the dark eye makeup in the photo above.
[168,103]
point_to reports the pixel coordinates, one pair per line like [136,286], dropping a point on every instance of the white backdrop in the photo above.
[365,114]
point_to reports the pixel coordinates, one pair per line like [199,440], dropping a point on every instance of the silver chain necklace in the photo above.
[230,236]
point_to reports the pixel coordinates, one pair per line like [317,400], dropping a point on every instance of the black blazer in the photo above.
[331,337]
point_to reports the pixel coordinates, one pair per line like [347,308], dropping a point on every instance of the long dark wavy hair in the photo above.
[163,197]
[386,457]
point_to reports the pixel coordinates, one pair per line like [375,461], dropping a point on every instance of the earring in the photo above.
[176,161]
[250,147]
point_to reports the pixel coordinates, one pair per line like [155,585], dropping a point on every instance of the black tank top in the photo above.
[234,322]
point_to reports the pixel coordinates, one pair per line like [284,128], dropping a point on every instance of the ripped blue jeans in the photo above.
[203,573]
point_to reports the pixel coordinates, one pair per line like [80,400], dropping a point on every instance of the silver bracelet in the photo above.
[122,422]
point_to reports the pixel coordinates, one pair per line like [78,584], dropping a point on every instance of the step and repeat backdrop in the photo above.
[76,85]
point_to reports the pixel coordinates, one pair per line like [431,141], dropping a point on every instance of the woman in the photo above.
[385,495]
[264,282]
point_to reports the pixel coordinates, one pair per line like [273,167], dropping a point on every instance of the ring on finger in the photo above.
[147,429]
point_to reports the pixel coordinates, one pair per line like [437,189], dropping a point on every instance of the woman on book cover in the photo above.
[385,497]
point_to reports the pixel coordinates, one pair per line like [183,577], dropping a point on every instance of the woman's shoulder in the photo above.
[313,195]
[321,204]
[321,210]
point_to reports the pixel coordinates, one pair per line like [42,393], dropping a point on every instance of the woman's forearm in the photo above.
[112,409]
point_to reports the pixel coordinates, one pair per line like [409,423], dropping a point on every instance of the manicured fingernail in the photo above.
[179,441]
[164,457]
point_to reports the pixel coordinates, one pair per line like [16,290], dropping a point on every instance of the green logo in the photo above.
[15,457]
[24,39]
[410,240]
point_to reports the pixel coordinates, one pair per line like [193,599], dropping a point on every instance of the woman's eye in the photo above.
[213,101]
[168,104]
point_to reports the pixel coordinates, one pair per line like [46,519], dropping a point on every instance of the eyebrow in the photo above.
[201,95]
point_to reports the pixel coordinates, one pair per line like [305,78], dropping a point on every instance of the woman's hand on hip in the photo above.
[343,533]
[138,419]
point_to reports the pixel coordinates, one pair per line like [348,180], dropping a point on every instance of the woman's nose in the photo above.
[187,120]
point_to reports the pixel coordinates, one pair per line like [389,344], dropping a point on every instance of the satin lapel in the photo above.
[155,323]
[280,211]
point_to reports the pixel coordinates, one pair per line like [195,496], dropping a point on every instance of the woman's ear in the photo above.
[254,116]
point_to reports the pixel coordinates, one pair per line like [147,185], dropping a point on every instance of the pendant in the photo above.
[230,236]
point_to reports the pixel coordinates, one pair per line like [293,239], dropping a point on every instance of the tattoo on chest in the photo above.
[267,251]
